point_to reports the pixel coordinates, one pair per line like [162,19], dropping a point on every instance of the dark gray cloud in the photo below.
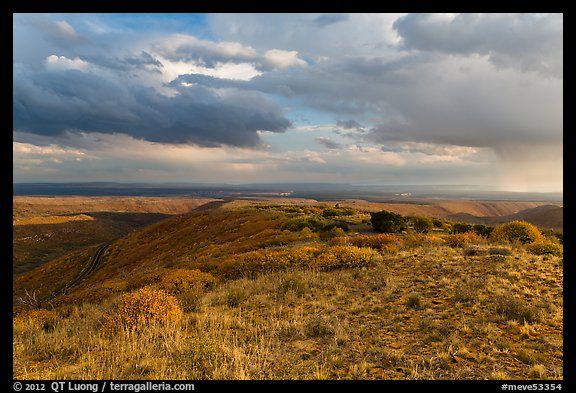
[349,125]
[328,143]
[50,103]
[426,98]
[422,97]
[527,42]
[143,61]
[208,81]
[329,19]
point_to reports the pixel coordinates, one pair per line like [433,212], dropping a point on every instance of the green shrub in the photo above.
[516,231]
[234,298]
[202,357]
[389,222]
[482,230]
[438,223]
[332,233]
[332,225]
[474,251]
[322,258]
[293,284]
[307,234]
[499,251]
[422,224]
[297,224]
[461,227]
[543,248]
[554,235]
[315,224]
[513,308]
[414,301]
[421,240]
[338,211]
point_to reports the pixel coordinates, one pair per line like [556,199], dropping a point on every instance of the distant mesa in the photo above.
[545,216]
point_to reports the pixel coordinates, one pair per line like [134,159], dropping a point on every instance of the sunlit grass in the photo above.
[363,307]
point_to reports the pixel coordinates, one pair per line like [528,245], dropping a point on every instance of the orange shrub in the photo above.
[302,256]
[420,239]
[383,242]
[322,258]
[463,239]
[545,247]
[178,281]
[345,257]
[144,306]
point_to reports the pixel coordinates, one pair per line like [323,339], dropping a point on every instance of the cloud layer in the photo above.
[333,94]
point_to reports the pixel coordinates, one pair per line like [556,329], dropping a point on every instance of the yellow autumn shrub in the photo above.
[144,306]
[36,319]
[516,231]
[385,242]
[463,239]
[345,257]
[179,281]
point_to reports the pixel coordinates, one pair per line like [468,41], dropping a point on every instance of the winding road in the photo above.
[92,265]
[97,256]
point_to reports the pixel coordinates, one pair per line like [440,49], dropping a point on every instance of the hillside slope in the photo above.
[285,302]
[545,216]
[193,238]
[45,228]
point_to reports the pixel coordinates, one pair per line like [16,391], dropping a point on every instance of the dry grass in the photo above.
[344,324]
[53,219]
[425,310]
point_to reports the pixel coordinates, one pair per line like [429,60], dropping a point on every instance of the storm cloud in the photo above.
[529,42]
[51,103]
[328,143]
[459,94]
[329,19]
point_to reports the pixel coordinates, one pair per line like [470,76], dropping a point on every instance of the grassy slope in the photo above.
[45,228]
[424,311]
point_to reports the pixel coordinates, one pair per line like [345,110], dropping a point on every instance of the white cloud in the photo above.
[64,28]
[54,62]
[51,160]
[282,59]
[236,71]
[183,46]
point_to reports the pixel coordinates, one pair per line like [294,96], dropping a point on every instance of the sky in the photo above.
[427,99]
